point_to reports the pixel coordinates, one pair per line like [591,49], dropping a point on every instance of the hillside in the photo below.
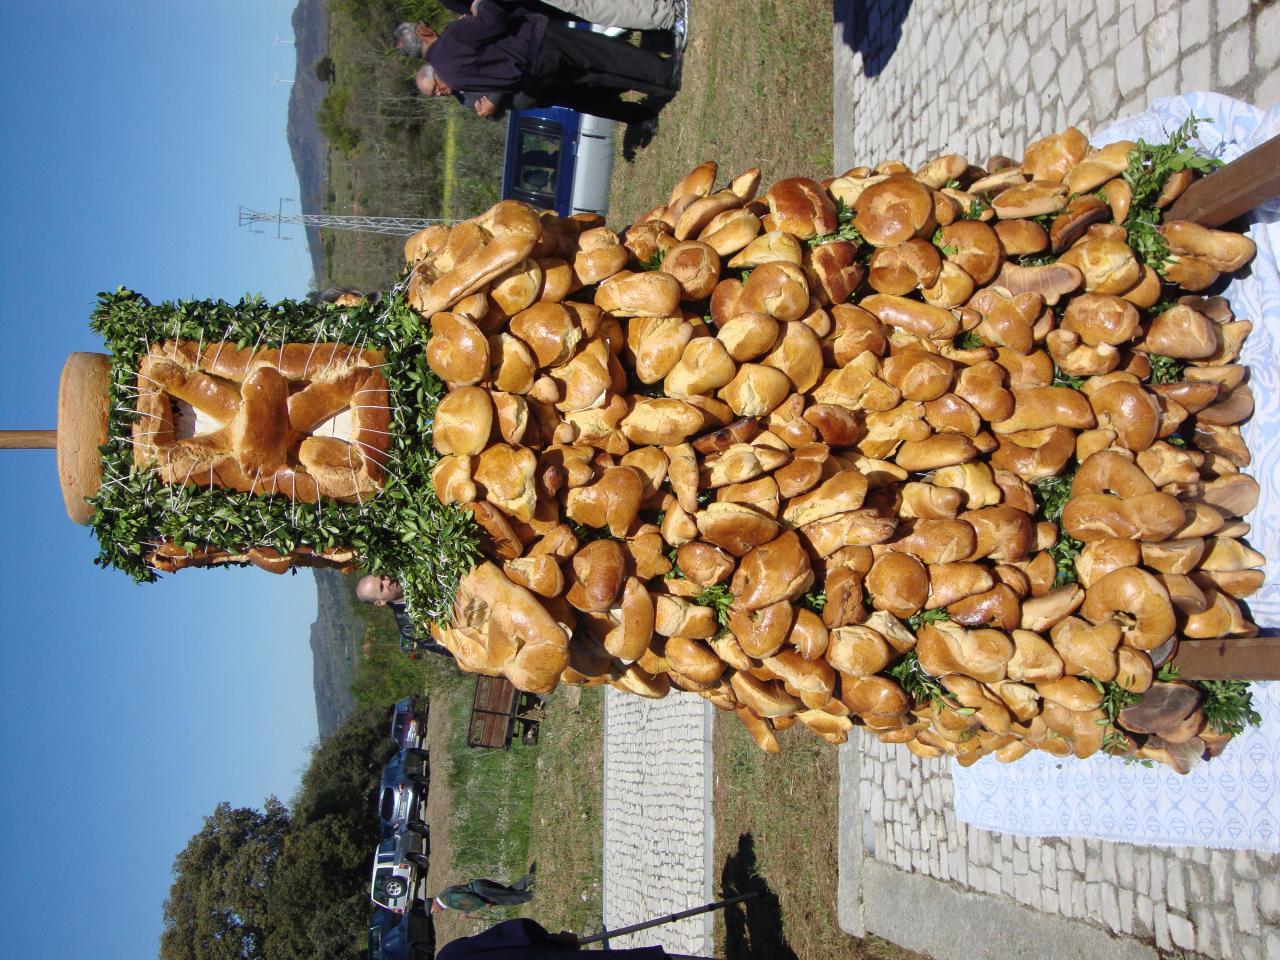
[335,638]
[365,143]
[307,143]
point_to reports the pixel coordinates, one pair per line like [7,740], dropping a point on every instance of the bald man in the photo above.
[386,592]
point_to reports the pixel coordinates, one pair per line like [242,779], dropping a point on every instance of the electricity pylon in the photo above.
[392,226]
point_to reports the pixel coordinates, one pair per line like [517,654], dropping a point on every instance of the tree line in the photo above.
[289,883]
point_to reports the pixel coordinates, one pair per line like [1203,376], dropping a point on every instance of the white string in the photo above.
[369,406]
[377,452]
[221,343]
[371,430]
[306,367]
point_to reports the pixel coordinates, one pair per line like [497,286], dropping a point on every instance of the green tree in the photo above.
[287,885]
[346,769]
[332,118]
[217,906]
[319,901]
[324,69]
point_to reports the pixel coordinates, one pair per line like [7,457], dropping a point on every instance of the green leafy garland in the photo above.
[921,687]
[1051,496]
[403,532]
[1149,166]
[1228,705]
[845,230]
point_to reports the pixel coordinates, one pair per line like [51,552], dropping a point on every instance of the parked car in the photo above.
[559,159]
[398,863]
[404,789]
[407,727]
[401,936]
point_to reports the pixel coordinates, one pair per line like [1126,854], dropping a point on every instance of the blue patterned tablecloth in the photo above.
[1233,800]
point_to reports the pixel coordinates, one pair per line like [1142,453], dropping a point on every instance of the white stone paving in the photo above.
[1221,903]
[981,77]
[657,817]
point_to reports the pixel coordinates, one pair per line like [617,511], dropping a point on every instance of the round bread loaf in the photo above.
[84,397]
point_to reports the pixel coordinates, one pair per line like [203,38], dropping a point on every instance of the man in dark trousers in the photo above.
[523,939]
[628,14]
[386,592]
[498,57]
[476,895]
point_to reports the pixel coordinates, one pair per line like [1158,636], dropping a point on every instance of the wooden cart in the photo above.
[496,708]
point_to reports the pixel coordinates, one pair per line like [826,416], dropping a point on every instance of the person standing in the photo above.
[627,14]
[387,592]
[524,939]
[495,54]
[476,895]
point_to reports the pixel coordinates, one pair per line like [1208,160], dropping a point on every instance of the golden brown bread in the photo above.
[263,415]
[83,401]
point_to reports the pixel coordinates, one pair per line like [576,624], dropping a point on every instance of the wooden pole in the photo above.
[1229,658]
[28,439]
[1231,190]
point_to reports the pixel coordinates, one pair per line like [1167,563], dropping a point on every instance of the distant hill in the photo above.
[335,639]
[306,143]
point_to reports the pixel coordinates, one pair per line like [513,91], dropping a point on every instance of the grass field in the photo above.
[775,829]
[756,93]
[495,813]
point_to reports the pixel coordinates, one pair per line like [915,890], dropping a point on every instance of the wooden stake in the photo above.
[1232,190]
[1229,658]
[28,439]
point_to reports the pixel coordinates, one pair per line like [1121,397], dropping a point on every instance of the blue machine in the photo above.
[559,159]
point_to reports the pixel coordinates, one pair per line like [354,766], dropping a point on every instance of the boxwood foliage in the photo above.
[404,532]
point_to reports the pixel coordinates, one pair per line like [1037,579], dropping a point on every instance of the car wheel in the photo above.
[419,860]
[420,779]
[395,887]
[419,827]
[417,753]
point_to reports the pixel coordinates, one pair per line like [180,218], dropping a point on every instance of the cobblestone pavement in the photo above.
[979,77]
[1219,903]
[657,817]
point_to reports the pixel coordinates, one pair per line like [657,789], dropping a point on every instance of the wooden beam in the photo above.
[1228,658]
[28,439]
[1231,190]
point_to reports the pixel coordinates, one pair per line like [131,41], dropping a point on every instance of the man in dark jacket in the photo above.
[523,939]
[495,55]
[476,895]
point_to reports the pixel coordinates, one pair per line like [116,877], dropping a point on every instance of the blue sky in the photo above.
[132,131]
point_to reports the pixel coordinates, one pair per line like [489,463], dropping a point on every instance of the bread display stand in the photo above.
[952,453]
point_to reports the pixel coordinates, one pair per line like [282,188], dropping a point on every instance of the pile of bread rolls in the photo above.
[728,451]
